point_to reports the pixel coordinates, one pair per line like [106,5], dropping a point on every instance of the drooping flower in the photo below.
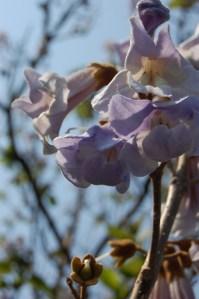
[92,158]
[162,131]
[52,97]
[101,157]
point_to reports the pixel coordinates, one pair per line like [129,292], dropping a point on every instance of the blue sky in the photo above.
[110,22]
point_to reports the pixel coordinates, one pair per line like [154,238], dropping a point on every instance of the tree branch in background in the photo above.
[48,37]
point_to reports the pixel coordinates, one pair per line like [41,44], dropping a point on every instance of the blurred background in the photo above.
[45,220]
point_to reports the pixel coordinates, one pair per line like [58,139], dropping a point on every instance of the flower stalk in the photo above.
[82,292]
[151,267]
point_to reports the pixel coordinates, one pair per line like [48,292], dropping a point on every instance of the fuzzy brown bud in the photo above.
[85,272]
[103,73]
[122,250]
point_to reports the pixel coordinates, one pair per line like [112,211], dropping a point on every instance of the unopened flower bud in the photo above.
[122,250]
[103,73]
[87,271]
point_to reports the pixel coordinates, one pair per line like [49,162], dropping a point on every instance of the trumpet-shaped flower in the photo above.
[101,157]
[52,97]
[154,100]
[92,158]
[157,67]
[162,130]
[152,14]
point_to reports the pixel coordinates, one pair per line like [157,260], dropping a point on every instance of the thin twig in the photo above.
[73,291]
[47,39]
[18,158]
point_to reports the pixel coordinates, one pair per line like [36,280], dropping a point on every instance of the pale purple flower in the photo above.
[92,158]
[101,157]
[186,224]
[157,69]
[178,288]
[160,289]
[152,14]
[52,97]
[190,48]
[181,288]
[145,121]
[155,99]
[159,64]
[47,103]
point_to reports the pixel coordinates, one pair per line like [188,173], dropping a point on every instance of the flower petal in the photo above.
[118,85]
[126,115]
[135,160]
[163,144]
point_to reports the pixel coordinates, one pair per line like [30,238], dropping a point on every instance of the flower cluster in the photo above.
[149,110]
